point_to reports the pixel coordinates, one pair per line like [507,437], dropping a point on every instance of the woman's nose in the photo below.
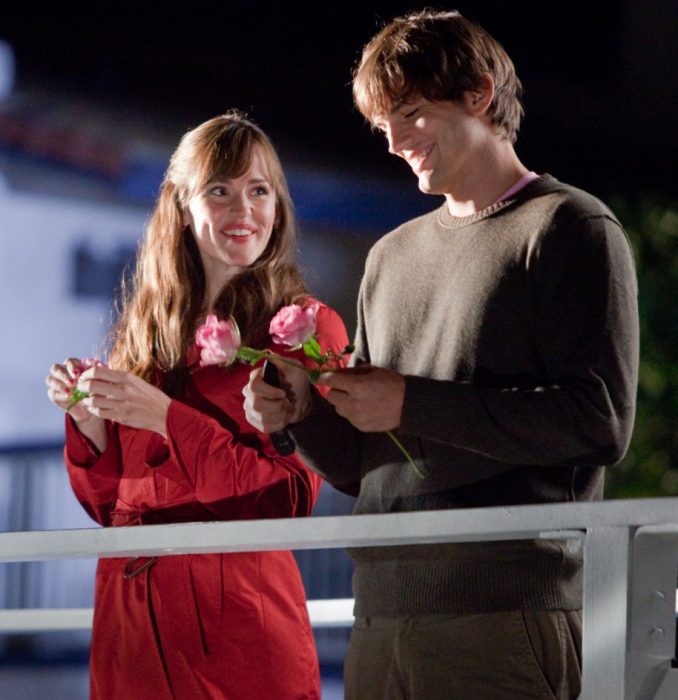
[240,202]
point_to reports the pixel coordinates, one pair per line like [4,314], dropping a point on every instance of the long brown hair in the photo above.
[160,313]
[438,56]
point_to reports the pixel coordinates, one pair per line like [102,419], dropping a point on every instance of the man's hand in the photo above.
[269,408]
[369,397]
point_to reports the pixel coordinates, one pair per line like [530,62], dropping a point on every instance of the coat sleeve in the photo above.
[232,469]
[586,328]
[94,476]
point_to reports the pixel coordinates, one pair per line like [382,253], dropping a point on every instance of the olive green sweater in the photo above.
[517,331]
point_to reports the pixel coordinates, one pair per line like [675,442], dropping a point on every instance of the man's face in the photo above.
[440,140]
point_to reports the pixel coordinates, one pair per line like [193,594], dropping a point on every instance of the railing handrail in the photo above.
[332,612]
[423,527]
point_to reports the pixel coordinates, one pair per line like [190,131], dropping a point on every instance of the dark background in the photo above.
[599,76]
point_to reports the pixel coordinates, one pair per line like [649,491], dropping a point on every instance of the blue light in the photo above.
[7,69]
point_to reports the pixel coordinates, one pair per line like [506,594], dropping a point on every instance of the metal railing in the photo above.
[630,566]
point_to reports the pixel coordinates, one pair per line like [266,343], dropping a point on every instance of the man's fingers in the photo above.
[339,379]
[335,398]
[369,397]
[348,379]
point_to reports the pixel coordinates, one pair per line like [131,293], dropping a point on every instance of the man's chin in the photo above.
[428,187]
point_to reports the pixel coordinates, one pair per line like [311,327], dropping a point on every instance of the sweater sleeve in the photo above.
[581,411]
[94,476]
[331,446]
[328,443]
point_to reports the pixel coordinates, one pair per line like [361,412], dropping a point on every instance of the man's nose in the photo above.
[395,135]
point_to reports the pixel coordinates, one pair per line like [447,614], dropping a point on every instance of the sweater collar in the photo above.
[533,188]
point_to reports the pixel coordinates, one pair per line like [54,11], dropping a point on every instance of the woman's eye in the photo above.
[261,190]
[217,190]
[411,113]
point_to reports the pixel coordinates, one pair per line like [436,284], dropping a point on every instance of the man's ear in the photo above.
[479,99]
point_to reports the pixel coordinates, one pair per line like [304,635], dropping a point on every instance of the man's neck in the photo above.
[493,173]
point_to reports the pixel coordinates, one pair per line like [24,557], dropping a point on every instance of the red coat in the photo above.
[210,626]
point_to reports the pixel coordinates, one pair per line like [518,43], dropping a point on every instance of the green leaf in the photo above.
[313,375]
[312,349]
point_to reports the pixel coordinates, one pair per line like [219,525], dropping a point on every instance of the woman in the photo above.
[160,439]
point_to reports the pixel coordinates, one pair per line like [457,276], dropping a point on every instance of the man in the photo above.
[499,335]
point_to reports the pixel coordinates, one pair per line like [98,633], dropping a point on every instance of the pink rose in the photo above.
[293,326]
[87,363]
[91,362]
[219,341]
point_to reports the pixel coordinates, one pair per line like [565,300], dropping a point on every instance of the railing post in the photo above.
[606,584]
[652,621]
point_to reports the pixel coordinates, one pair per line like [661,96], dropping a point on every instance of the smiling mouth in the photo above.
[418,158]
[238,232]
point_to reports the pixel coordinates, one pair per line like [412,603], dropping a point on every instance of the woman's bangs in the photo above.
[230,157]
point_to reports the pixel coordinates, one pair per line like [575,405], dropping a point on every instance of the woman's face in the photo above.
[232,221]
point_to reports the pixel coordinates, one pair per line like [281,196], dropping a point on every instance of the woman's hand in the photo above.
[124,398]
[61,381]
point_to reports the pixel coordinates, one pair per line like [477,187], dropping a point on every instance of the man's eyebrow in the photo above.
[396,107]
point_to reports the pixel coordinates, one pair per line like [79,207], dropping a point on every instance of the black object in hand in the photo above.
[281,439]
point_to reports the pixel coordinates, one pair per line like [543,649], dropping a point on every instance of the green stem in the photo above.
[253,356]
[401,447]
[76,397]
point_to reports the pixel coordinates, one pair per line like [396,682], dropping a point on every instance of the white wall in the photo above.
[42,321]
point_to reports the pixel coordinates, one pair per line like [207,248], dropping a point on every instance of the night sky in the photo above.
[289,66]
